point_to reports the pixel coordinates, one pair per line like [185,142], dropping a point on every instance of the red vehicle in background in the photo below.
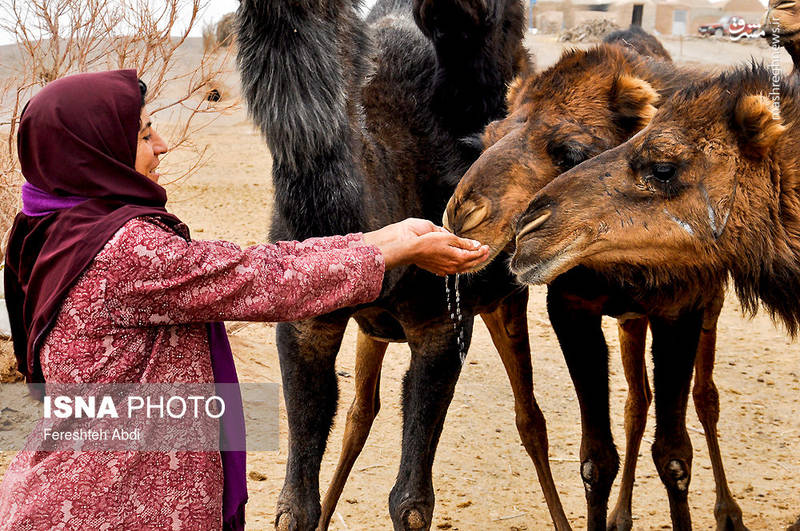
[734,27]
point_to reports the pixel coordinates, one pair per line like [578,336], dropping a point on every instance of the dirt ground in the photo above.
[483,477]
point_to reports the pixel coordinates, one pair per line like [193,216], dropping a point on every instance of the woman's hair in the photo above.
[143,90]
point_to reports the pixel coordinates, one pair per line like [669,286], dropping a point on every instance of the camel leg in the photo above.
[795,526]
[580,334]
[364,409]
[428,388]
[706,403]
[307,352]
[674,347]
[508,325]
[632,337]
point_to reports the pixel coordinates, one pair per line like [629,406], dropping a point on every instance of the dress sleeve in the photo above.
[154,277]
[311,245]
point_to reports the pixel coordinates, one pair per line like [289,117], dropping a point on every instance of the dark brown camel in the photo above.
[587,103]
[364,121]
[368,363]
[710,189]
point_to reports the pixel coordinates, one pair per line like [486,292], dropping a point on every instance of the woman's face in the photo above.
[149,148]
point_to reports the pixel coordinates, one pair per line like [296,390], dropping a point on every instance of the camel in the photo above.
[613,94]
[639,41]
[709,190]
[365,121]
[782,26]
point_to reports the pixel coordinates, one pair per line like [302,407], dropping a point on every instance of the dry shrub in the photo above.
[56,38]
[226,29]
[589,31]
[209,37]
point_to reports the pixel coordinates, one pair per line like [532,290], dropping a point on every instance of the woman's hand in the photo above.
[433,248]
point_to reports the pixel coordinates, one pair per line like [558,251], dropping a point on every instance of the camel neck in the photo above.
[772,273]
[794,51]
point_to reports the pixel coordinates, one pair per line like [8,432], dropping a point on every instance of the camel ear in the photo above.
[759,122]
[633,101]
[514,90]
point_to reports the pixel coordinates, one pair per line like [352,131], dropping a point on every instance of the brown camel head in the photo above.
[588,102]
[710,187]
[782,21]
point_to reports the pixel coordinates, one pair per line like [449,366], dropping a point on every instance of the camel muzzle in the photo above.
[534,218]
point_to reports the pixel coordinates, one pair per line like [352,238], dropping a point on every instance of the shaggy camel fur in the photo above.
[710,189]
[589,102]
[364,121]
[782,26]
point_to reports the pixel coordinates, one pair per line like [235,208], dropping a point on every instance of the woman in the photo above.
[103,285]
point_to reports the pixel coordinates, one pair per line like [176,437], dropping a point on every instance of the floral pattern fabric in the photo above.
[138,314]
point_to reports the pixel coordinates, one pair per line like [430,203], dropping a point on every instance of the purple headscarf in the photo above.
[77,147]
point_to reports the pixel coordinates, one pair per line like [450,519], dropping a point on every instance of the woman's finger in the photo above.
[464,243]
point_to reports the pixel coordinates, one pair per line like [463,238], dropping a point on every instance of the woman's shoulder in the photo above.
[137,231]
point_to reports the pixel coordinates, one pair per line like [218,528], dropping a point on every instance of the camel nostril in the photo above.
[474,218]
[531,226]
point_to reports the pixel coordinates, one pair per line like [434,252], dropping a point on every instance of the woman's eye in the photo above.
[664,172]
[146,137]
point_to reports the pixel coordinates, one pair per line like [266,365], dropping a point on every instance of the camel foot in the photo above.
[620,520]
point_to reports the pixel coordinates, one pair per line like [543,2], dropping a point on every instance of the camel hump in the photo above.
[387,8]
[638,40]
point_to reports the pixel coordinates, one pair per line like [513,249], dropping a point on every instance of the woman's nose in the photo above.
[159,146]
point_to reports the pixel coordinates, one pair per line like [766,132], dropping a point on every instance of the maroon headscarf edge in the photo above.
[77,137]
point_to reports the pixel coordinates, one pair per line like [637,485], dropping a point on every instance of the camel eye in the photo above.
[567,156]
[664,172]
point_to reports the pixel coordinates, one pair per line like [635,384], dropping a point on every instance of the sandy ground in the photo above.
[482,475]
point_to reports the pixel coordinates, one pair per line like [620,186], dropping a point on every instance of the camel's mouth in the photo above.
[531,268]
[494,252]
[499,239]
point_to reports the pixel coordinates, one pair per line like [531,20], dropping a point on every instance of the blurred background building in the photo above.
[666,17]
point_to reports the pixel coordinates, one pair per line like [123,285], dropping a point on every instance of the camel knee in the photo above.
[598,471]
[531,424]
[673,460]
[706,402]
[362,414]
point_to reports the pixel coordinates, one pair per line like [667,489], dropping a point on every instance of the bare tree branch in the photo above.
[56,38]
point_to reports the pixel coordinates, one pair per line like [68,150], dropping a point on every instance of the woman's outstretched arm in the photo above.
[155,277]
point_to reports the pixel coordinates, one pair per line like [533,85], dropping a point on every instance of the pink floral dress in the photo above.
[137,315]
